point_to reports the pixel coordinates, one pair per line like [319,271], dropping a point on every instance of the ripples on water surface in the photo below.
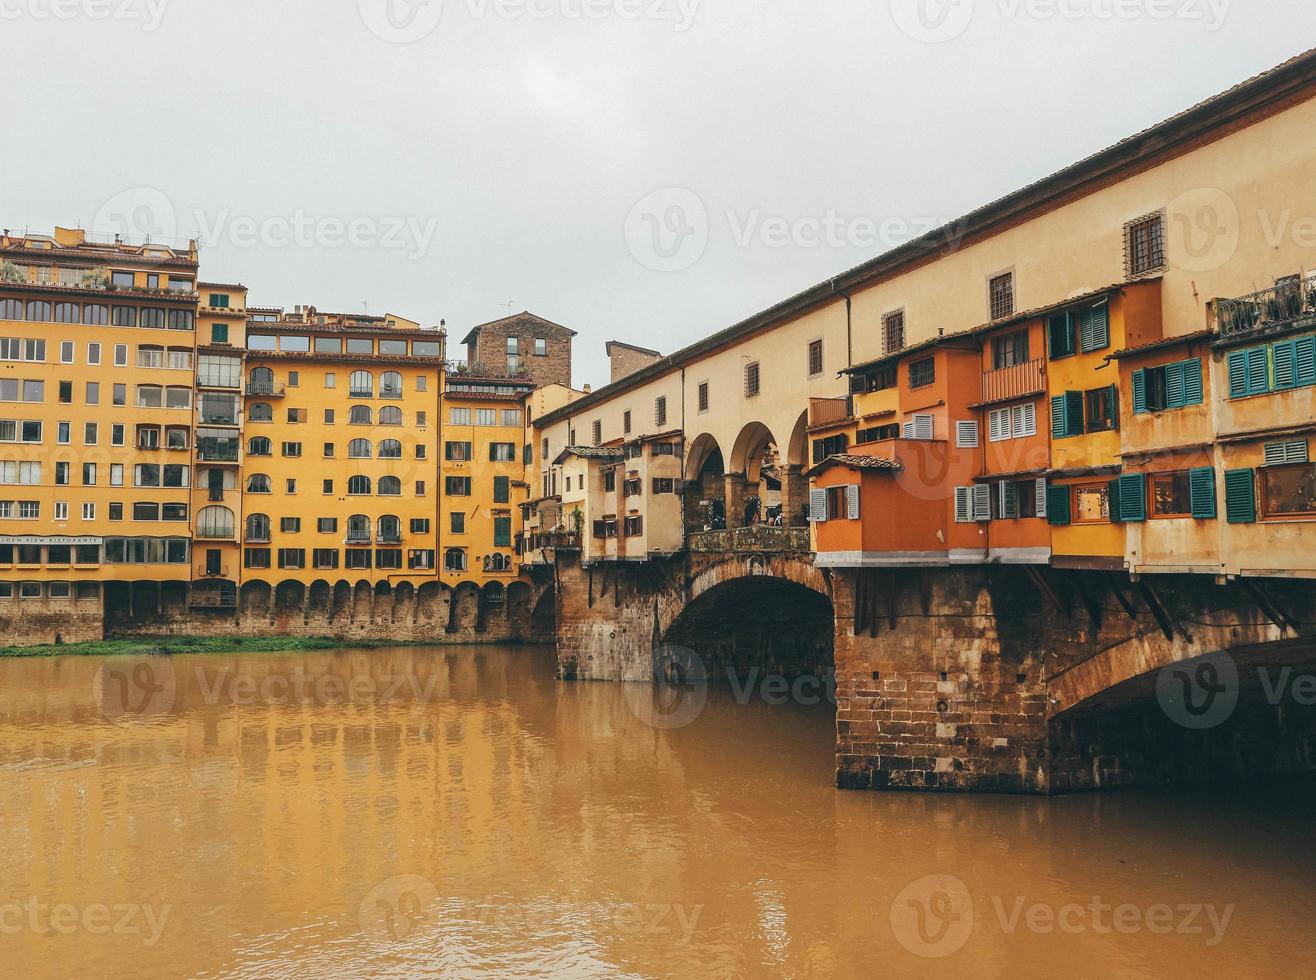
[460,813]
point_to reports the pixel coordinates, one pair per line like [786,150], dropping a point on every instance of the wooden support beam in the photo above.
[1085,597]
[616,585]
[589,574]
[925,585]
[1117,589]
[857,613]
[1266,603]
[1044,586]
[1153,601]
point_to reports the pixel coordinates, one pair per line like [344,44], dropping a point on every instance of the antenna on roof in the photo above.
[508,304]
[365,307]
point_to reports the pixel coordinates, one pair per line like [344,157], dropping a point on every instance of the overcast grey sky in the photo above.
[646,170]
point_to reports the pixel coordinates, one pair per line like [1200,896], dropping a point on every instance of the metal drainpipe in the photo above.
[849,339]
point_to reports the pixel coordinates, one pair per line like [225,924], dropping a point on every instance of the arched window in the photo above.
[390,415]
[11,309]
[390,385]
[358,529]
[260,412]
[261,381]
[358,486]
[214,522]
[454,560]
[259,446]
[359,415]
[38,310]
[67,313]
[96,314]
[361,384]
[359,449]
[258,527]
[390,449]
[390,486]
[494,593]
[258,483]
[390,529]
[497,563]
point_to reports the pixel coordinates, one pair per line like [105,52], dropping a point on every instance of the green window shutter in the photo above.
[1139,392]
[1113,407]
[1113,495]
[1074,408]
[1241,496]
[1305,358]
[1258,371]
[1059,429]
[1057,505]
[1284,355]
[501,490]
[1201,484]
[1133,497]
[1094,329]
[1237,374]
[1174,385]
[1192,382]
[219,333]
[502,532]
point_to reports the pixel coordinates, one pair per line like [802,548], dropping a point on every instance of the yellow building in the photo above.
[338,471]
[97,345]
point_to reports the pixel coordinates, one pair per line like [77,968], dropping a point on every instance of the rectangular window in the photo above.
[1091,504]
[459,452]
[660,410]
[1171,495]
[1168,386]
[815,358]
[664,485]
[502,452]
[1288,491]
[597,430]
[893,331]
[93,354]
[457,523]
[292,557]
[324,557]
[1144,245]
[1060,335]
[457,486]
[1000,291]
[752,379]
[923,373]
[219,333]
[1103,409]
[1010,350]
[486,416]
[459,416]
[326,525]
[703,396]
[292,449]
[501,489]
[66,352]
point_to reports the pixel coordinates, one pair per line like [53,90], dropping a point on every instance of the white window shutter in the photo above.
[963,505]
[966,435]
[924,427]
[817,506]
[982,502]
[1009,500]
[908,430]
[998,421]
[852,502]
[1041,496]
[1286,452]
[1025,420]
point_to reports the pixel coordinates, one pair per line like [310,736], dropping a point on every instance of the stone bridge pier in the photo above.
[999,679]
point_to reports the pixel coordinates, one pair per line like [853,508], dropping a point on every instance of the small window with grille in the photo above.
[751,379]
[1144,245]
[1000,291]
[893,331]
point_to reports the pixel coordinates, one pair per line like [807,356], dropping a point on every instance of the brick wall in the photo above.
[553,368]
[33,622]
[625,361]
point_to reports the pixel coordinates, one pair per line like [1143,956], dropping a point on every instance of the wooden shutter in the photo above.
[502,532]
[1258,379]
[1240,496]
[1284,355]
[1174,385]
[1201,484]
[1008,503]
[924,428]
[1305,360]
[1113,501]
[982,502]
[1060,335]
[1040,491]
[817,506]
[852,502]
[1192,382]
[1278,453]
[1074,407]
[963,505]
[1139,392]
[1237,374]
[998,422]
[966,435]
[1059,426]
[1057,505]
[1094,329]
[1133,497]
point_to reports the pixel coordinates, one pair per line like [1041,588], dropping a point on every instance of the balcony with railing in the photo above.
[757,539]
[825,411]
[266,389]
[1016,381]
[1290,303]
[357,537]
[217,450]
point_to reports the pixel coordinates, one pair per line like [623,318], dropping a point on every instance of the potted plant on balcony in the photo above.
[96,279]
[11,273]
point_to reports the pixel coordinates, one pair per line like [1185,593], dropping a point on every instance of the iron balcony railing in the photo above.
[759,539]
[389,537]
[217,452]
[358,537]
[1288,302]
[264,389]
[533,541]
[1015,381]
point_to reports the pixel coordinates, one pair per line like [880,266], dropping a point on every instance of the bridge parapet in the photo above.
[759,539]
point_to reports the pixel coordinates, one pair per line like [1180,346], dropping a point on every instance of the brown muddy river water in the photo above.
[458,812]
